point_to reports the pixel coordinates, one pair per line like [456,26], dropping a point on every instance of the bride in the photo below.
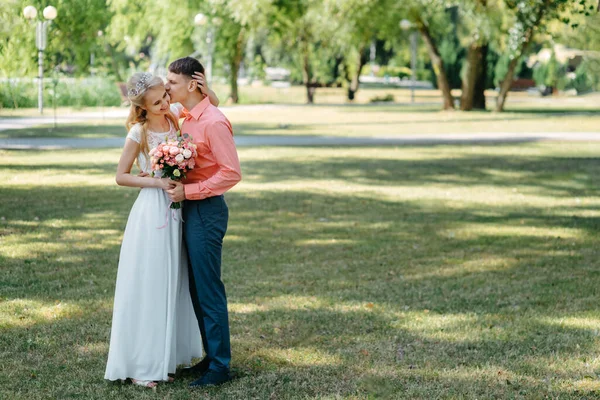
[154,328]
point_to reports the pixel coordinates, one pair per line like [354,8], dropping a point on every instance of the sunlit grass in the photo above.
[412,272]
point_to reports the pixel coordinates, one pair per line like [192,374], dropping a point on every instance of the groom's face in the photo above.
[178,87]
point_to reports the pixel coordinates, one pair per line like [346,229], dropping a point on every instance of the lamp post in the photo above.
[201,20]
[406,25]
[41,38]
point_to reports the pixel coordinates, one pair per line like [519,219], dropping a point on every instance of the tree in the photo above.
[357,24]
[72,36]
[304,27]
[477,18]
[530,18]
[433,24]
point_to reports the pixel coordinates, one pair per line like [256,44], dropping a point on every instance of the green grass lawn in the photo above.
[413,272]
[366,121]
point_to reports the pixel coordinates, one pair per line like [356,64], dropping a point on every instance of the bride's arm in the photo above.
[124,177]
[201,80]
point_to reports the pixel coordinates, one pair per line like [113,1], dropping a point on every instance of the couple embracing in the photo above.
[170,301]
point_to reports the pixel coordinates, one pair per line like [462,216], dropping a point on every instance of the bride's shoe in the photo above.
[148,384]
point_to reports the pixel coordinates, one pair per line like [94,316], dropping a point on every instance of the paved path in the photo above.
[86,116]
[272,140]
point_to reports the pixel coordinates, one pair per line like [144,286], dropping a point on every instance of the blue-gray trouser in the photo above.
[204,228]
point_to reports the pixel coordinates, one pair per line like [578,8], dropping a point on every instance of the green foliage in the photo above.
[382,99]
[501,68]
[550,74]
[453,57]
[73,92]
[72,36]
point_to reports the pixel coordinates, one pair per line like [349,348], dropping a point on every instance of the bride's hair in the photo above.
[137,87]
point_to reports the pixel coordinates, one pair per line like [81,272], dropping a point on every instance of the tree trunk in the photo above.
[335,71]
[480,84]
[473,83]
[354,82]
[235,63]
[506,84]
[438,68]
[310,93]
[510,74]
[508,79]
[115,65]
[307,75]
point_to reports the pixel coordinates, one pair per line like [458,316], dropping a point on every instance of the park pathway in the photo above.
[85,116]
[414,139]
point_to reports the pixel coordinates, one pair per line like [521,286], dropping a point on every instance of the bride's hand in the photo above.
[201,81]
[165,184]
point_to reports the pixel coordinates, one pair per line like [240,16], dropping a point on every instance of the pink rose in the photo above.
[158,154]
[161,166]
[174,151]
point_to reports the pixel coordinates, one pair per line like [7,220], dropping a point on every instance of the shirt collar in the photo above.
[197,111]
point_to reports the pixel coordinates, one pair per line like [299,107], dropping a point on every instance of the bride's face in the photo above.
[157,100]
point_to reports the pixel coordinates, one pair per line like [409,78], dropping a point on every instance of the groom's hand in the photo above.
[177,193]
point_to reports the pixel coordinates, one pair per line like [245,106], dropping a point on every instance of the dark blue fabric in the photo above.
[205,224]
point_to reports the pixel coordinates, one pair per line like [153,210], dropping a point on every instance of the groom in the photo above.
[205,214]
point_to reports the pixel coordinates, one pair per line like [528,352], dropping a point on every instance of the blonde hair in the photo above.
[137,87]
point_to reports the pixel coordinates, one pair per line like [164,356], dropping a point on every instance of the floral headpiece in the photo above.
[140,86]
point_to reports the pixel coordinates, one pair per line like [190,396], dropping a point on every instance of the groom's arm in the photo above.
[220,140]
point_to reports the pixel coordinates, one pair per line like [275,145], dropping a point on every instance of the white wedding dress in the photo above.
[154,327]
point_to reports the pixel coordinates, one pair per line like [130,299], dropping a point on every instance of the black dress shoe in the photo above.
[211,378]
[198,369]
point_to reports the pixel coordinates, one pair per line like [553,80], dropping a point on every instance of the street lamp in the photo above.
[41,38]
[406,25]
[201,20]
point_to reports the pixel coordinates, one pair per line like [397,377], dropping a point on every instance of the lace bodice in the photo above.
[154,139]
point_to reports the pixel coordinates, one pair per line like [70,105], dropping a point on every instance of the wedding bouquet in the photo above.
[173,158]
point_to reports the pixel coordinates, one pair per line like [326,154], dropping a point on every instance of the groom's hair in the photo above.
[186,66]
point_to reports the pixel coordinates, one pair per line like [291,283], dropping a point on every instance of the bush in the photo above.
[387,98]
[584,81]
[389,71]
[70,92]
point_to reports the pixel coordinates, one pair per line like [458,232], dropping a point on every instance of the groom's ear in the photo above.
[192,85]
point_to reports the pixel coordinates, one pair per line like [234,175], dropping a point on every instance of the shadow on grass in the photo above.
[345,294]
[543,109]
[549,176]
[67,131]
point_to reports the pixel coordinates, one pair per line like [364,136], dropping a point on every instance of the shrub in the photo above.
[70,92]
[387,98]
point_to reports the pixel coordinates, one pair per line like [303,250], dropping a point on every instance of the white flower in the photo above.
[187,153]
[176,173]
[179,158]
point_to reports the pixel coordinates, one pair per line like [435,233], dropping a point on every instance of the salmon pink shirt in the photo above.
[217,165]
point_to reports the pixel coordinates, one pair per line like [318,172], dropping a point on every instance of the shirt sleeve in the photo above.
[135,134]
[220,141]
